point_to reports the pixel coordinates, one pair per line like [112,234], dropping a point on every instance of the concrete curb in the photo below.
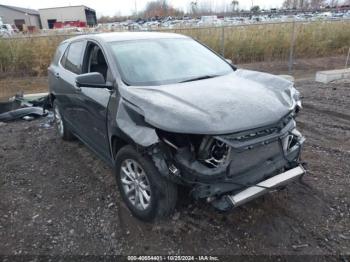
[332,75]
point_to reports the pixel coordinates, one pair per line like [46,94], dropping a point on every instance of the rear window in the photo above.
[72,59]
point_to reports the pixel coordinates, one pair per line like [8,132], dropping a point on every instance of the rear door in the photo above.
[69,97]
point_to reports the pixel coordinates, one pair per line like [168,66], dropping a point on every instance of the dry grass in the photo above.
[27,56]
[271,42]
[243,44]
[10,86]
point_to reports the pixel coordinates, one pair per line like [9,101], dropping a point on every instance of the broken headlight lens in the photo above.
[291,140]
[213,153]
[205,149]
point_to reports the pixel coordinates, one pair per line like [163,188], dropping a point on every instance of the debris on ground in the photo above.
[300,246]
[24,107]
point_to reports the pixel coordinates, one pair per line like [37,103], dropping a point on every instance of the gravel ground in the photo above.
[58,198]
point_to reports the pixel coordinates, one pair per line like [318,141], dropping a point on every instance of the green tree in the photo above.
[255,9]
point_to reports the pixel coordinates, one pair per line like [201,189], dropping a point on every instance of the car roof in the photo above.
[127,36]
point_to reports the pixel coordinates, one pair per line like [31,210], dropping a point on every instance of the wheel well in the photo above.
[117,144]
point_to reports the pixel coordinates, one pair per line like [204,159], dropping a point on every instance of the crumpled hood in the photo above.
[235,102]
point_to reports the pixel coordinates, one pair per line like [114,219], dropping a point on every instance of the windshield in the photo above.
[166,61]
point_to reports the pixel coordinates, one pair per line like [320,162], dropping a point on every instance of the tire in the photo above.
[157,196]
[60,124]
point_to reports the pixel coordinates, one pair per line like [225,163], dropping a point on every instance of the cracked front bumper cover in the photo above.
[230,201]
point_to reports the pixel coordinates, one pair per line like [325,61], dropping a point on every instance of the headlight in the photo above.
[297,99]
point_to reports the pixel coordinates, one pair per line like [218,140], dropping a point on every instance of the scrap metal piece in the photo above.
[21,112]
[9,106]
[24,106]
[28,118]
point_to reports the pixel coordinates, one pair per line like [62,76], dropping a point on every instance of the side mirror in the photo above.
[229,61]
[94,80]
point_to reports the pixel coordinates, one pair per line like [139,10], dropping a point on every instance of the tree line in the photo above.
[313,4]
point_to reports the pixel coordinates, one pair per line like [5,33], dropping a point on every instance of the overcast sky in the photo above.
[126,7]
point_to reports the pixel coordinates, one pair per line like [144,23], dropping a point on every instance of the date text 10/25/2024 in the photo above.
[173,258]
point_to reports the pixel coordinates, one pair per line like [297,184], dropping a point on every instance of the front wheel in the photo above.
[145,191]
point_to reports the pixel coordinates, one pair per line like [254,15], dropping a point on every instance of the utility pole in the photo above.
[291,51]
[136,8]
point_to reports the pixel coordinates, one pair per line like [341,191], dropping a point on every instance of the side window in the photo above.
[59,52]
[95,61]
[72,59]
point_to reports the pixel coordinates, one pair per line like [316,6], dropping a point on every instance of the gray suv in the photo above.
[165,111]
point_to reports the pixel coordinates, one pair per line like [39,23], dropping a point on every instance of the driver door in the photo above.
[93,102]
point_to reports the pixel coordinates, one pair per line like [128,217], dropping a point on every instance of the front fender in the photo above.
[130,121]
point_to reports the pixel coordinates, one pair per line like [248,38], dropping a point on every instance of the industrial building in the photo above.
[23,18]
[58,17]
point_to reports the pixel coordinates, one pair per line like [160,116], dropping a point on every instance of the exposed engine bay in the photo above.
[217,165]
[213,153]
[207,150]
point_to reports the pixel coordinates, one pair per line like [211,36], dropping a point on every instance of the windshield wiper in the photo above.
[199,78]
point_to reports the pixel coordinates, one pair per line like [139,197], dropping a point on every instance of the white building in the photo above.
[81,13]
[21,17]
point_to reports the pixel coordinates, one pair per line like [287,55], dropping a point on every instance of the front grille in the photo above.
[259,132]
[246,160]
[252,135]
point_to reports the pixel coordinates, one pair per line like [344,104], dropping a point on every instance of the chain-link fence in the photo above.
[282,42]
[278,42]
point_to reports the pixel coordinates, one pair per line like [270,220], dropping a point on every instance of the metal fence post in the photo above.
[347,59]
[223,41]
[291,51]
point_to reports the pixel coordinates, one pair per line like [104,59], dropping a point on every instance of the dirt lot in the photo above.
[57,198]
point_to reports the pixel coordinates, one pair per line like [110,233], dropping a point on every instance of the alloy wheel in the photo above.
[135,184]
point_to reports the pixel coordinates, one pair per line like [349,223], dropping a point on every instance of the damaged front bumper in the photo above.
[260,156]
[230,201]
